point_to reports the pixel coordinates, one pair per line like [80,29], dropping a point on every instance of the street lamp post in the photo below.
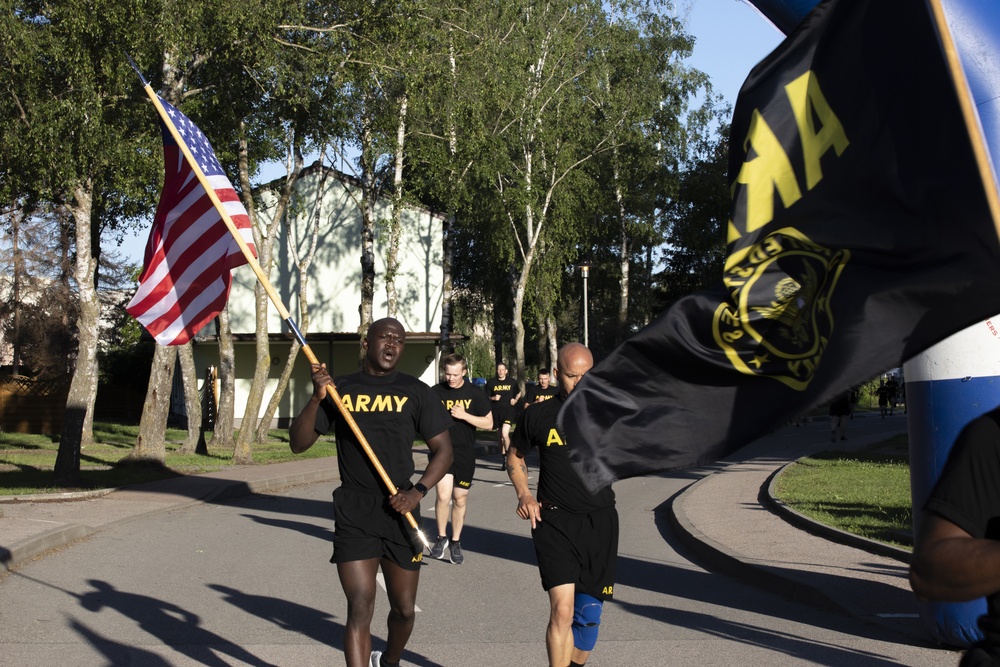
[584,267]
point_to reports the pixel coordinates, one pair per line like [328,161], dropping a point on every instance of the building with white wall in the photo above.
[334,288]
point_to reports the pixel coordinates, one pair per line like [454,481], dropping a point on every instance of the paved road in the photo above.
[247,582]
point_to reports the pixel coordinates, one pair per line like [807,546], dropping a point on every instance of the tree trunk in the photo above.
[83,386]
[151,443]
[448,224]
[625,250]
[242,452]
[392,249]
[447,256]
[552,331]
[302,264]
[192,401]
[87,430]
[368,197]
[18,258]
[518,320]
[498,329]
[264,426]
[222,435]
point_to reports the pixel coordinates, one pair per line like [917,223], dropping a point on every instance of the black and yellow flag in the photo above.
[860,234]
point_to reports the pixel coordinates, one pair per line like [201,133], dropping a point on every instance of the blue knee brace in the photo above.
[586,618]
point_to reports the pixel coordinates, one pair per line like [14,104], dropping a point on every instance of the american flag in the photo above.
[187,269]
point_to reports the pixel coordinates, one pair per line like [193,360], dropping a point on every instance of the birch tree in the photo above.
[548,131]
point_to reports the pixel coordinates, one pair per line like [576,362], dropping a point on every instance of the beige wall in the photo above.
[334,290]
[334,277]
[340,357]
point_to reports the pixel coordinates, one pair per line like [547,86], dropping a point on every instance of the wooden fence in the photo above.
[37,406]
[32,406]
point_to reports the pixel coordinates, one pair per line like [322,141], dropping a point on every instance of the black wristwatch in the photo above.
[421,488]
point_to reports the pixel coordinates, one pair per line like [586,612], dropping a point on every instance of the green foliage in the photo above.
[548,131]
[866,493]
[695,222]
[478,353]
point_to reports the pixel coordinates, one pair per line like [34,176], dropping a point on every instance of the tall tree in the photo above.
[547,128]
[302,227]
[647,90]
[695,221]
[73,138]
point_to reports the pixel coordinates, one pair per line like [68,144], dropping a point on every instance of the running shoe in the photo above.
[440,544]
[456,553]
[376,659]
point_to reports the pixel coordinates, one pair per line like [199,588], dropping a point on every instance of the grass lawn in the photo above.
[26,461]
[864,492]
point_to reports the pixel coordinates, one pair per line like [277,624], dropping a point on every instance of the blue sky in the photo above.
[730,38]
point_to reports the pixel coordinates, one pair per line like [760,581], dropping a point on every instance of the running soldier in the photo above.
[504,392]
[575,532]
[470,409]
[370,531]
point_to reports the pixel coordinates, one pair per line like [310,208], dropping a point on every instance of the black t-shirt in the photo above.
[463,434]
[968,495]
[390,410]
[558,482]
[537,394]
[841,406]
[507,388]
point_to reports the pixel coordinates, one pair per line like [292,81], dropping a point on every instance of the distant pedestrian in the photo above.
[503,392]
[840,409]
[542,390]
[883,399]
[892,393]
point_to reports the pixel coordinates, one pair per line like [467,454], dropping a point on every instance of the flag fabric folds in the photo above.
[860,234]
[190,254]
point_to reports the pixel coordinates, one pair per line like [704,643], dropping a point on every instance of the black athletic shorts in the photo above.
[578,549]
[366,526]
[463,467]
[503,413]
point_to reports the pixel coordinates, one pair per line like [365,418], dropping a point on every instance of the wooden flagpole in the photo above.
[973,125]
[331,390]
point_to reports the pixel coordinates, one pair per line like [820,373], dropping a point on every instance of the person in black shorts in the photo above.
[504,392]
[956,554]
[840,409]
[575,532]
[470,409]
[370,530]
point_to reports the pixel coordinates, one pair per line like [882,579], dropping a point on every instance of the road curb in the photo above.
[769,499]
[720,558]
[25,550]
[789,584]
[32,547]
[56,497]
